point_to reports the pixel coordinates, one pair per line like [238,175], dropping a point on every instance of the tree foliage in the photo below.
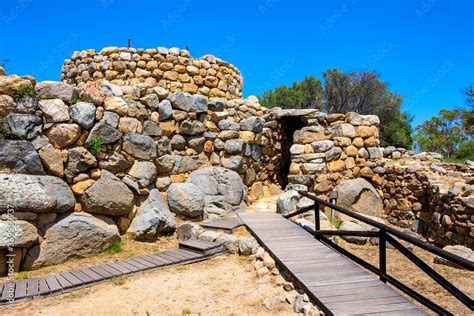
[361,92]
[301,95]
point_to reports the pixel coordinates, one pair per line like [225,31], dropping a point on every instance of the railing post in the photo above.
[382,255]
[317,224]
[333,200]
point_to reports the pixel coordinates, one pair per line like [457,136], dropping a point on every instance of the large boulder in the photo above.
[37,194]
[108,196]
[287,202]
[458,250]
[139,146]
[18,234]
[20,156]
[359,196]
[77,235]
[152,219]
[27,126]
[220,186]
[186,199]
[56,90]
[83,113]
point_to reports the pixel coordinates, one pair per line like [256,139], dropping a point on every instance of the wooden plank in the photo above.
[92,274]
[43,287]
[189,254]
[8,291]
[173,256]
[157,262]
[82,276]
[32,287]
[75,281]
[163,256]
[364,294]
[415,311]
[362,307]
[20,289]
[118,265]
[126,266]
[112,269]
[102,272]
[145,264]
[54,284]
[63,282]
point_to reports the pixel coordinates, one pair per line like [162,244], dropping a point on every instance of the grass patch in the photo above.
[72,295]
[115,248]
[74,101]
[23,91]
[96,145]
[21,275]
[9,135]
[337,222]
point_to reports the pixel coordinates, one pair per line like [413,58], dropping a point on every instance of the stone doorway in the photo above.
[288,126]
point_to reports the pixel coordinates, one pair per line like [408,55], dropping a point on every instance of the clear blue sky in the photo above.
[424,49]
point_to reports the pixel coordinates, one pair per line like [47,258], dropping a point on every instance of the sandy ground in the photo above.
[224,285]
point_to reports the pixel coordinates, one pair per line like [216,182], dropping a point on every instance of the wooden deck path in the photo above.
[35,288]
[228,224]
[336,284]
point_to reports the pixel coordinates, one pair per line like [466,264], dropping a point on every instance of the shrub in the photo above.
[23,91]
[96,145]
[115,248]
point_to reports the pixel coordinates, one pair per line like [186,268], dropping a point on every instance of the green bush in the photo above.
[96,145]
[23,91]
[115,248]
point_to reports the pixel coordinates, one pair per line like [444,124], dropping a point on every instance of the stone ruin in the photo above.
[140,141]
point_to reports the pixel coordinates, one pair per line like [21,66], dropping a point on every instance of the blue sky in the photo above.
[424,49]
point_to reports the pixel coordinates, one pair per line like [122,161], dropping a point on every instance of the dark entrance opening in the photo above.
[288,126]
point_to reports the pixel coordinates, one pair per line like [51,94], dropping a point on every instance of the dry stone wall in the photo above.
[171,69]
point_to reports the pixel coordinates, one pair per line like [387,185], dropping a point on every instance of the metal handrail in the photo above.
[463,262]
[384,234]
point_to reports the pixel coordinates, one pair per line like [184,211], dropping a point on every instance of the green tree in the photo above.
[444,133]
[301,95]
[364,93]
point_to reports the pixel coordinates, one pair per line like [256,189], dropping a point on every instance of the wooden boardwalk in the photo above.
[228,224]
[336,284]
[35,288]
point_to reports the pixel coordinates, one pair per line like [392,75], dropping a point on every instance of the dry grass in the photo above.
[130,248]
[408,273]
[223,285]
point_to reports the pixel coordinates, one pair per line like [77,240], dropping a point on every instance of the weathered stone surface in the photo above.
[117,163]
[357,119]
[27,126]
[189,163]
[253,123]
[152,219]
[234,146]
[246,244]
[187,231]
[458,250]
[63,134]
[129,125]
[55,110]
[186,199]
[165,110]
[187,102]
[111,118]
[333,153]
[228,125]
[151,129]
[7,105]
[165,164]
[233,163]
[52,159]
[191,127]
[80,160]
[360,196]
[27,104]
[287,202]
[83,113]
[20,157]
[11,84]
[55,90]
[347,225]
[17,233]
[106,133]
[117,105]
[78,235]
[322,145]
[38,194]
[220,186]
[144,172]
[108,196]
[297,149]
[92,94]
[310,134]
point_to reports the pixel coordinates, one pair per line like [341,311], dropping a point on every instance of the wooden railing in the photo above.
[386,234]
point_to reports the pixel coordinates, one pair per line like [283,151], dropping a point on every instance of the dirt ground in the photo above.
[224,285]
[408,273]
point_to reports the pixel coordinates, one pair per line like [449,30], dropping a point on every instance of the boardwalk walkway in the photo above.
[339,286]
[35,288]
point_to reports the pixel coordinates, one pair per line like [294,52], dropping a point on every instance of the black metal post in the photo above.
[317,224]
[382,255]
